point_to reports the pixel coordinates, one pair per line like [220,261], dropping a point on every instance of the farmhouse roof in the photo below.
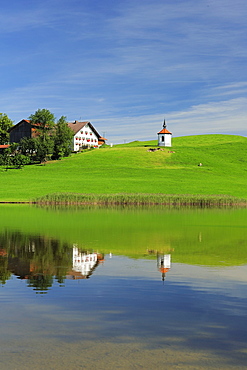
[77,126]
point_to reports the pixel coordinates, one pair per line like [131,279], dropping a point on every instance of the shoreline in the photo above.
[137,200]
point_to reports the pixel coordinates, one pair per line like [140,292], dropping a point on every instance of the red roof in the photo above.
[164,131]
[19,123]
[164,270]
[4,146]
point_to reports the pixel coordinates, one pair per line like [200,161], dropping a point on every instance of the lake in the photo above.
[123,288]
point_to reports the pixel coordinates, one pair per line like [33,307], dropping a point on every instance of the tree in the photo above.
[28,146]
[44,149]
[43,121]
[62,139]
[5,125]
[20,160]
[6,158]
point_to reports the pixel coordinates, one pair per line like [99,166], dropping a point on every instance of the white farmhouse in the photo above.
[164,136]
[85,135]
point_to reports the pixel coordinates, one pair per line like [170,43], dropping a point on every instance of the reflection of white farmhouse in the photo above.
[84,263]
[163,263]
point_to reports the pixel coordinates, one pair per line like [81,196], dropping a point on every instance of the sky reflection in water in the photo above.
[126,301]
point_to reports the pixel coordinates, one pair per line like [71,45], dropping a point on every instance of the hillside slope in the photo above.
[131,168]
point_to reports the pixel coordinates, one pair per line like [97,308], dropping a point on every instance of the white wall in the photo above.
[167,141]
[85,137]
[83,262]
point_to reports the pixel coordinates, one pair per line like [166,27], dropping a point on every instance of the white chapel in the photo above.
[164,136]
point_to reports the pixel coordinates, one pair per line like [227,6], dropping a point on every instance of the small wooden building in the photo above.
[23,129]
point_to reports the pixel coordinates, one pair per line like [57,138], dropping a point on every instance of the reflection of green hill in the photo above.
[205,237]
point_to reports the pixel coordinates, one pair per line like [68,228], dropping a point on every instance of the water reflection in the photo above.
[119,314]
[84,263]
[163,263]
[41,261]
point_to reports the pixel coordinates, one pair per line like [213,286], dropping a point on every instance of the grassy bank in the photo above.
[133,169]
[141,199]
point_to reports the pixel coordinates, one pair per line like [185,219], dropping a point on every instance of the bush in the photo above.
[20,160]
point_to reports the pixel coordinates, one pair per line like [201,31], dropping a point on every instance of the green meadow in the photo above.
[132,169]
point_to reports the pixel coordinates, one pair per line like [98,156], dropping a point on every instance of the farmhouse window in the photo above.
[162,138]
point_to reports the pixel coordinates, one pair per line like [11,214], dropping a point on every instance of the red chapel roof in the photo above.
[164,131]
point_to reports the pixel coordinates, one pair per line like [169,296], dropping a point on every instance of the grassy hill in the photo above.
[131,168]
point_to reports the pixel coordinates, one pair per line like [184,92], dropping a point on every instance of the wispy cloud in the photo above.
[225,117]
[126,65]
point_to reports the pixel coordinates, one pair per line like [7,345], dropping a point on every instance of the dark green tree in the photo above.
[28,146]
[62,139]
[44,149]
[7,158]
[5,125]
[43,121]
[20,160]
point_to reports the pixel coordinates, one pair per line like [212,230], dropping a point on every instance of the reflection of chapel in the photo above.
[163,264]
[164,136]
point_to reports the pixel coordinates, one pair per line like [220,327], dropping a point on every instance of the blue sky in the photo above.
[127,64]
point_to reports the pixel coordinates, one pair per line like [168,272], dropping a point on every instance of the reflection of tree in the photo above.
[35,258]
[40,282]
[4,272]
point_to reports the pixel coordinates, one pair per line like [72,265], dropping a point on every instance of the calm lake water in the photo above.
[123,288]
